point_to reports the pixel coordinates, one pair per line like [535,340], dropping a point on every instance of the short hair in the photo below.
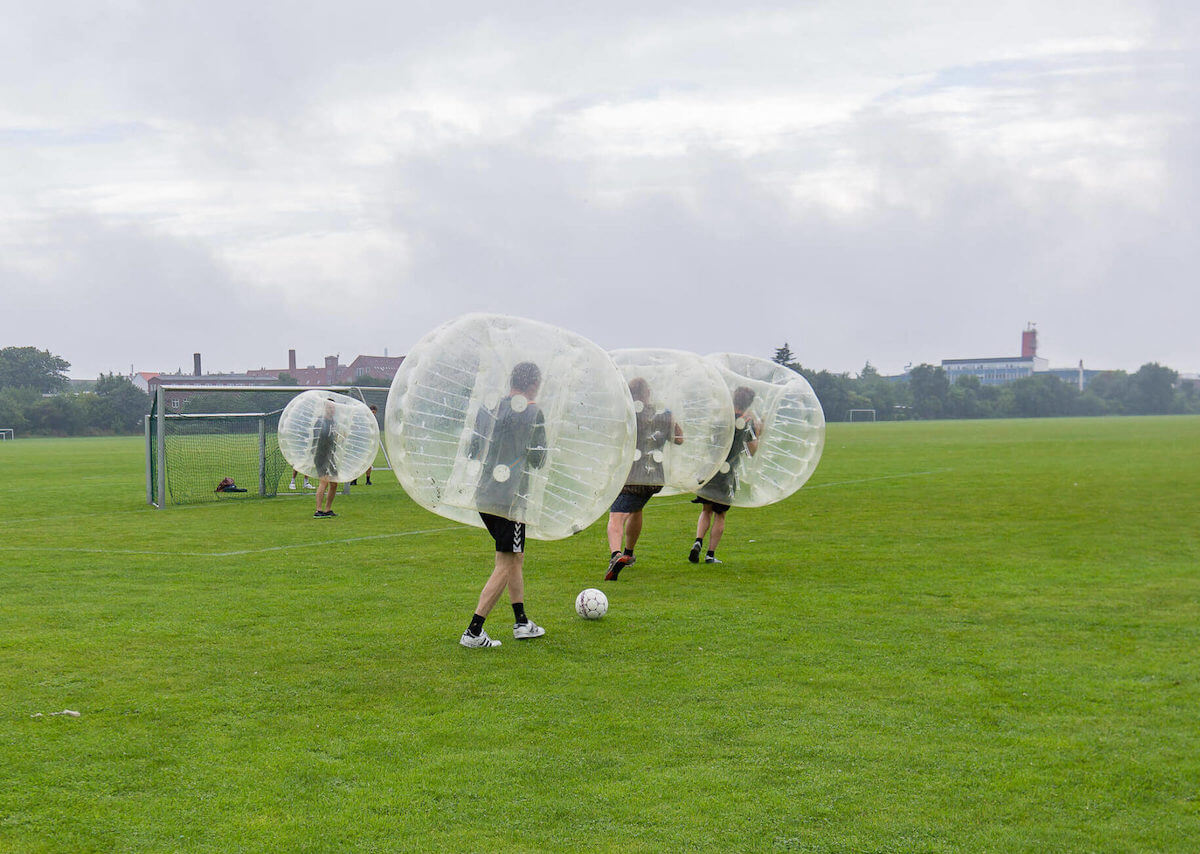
[374,408]
[525,376]
[742,397]
[639,389]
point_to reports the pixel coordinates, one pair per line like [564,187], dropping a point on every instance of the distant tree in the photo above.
[963,399]
[1153,389]
[930,391]
[1041,396]
[1114,389]
[367,380]
[784,356]
[28,367]
[287,379]
[123,404]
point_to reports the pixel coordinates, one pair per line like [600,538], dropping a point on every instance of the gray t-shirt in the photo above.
[511,444]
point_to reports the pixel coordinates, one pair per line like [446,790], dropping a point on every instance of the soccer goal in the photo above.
[7,433]
[861,415]
[196,436]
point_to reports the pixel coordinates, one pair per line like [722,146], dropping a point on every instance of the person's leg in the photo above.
[330,491]
[321,494]
[704,521]
[369,477]
[616,530]
[718,528]
[633,530]
[507,573]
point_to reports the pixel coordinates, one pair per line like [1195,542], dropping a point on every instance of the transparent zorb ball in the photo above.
[326,434]
[684,417]
[778,433]
[511,417]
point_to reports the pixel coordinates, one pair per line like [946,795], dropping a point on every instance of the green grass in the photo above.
[960,636]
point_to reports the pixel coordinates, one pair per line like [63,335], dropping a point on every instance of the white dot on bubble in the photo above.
[638,406]
[501,473]
[637,454]
[519,402]
[656,456]
[740,423]
[725,467]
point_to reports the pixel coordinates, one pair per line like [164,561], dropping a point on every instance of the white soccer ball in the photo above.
[591,604]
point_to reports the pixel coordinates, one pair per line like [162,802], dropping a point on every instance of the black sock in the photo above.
[476,625]
[628,552]
[519,612]
[712,553]
[613,555]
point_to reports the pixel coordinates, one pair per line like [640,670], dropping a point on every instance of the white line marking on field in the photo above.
[78,550]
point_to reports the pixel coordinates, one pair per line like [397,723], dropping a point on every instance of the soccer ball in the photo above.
[591,604]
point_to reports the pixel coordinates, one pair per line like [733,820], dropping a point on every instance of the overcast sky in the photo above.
[866,181]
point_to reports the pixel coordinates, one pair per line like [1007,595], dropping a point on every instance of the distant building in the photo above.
[1000,370]
[333,373]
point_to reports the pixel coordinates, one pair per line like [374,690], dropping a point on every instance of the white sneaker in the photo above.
[308,485]
[712,559]
[292,485]
[522,631]
[477,642]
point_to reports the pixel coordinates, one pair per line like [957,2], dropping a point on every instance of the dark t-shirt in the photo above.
[653,431]
[511,444]
[726,482]
[324,438]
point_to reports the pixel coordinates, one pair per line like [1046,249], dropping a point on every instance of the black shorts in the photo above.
[633,498]
[719,509]
[325,467]
[509,535]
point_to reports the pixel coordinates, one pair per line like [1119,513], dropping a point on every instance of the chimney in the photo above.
[292,362]
[1029,342]
[331,369]
[196,364]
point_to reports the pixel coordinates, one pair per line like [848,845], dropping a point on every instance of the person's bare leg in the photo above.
[616,530]
[321,484]
[507,573]
[633,529]
[718,528]
[330,491]
[704,521]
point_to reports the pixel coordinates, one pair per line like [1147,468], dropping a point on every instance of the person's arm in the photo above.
[477,436]
[537,442]
[755,427]
[678,432]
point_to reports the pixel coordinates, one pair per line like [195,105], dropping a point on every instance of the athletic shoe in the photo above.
[320,514]
[522,631]
[694,554]
[479,641]
[354,482]
[308,485]
[368,481]
[618,562]
[712,559]
[331,513]
[292,485]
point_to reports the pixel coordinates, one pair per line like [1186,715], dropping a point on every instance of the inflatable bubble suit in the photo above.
[510,417]
[684,417]
[777,440]
[325,434]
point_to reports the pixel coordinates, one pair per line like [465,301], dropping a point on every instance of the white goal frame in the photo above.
[158,453]
[850,414]
[7,433]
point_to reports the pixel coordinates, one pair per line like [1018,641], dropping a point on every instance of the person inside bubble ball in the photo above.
[375,412]
[645,478]
[510,441]
[747,431]
[325,437]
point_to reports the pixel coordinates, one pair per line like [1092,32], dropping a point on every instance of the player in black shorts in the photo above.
[645,477]
[325,438]
[510,441]
[712,513]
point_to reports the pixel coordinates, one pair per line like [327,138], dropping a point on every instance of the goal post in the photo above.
[861,415]
[198,435]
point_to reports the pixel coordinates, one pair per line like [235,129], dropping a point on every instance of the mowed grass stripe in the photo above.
[998,657]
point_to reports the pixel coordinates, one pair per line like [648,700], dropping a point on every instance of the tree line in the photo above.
[35,397]
[928,393]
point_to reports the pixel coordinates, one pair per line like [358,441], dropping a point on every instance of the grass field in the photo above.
[960,636]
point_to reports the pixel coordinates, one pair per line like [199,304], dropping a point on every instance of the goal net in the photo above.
[196,436]
[861,415]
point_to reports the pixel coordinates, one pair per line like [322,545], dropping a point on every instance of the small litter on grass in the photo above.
[66,712]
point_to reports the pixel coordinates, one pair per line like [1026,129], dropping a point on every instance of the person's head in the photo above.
[742,398]
[330,407]
[640,389]
[374,408]
[526,377]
